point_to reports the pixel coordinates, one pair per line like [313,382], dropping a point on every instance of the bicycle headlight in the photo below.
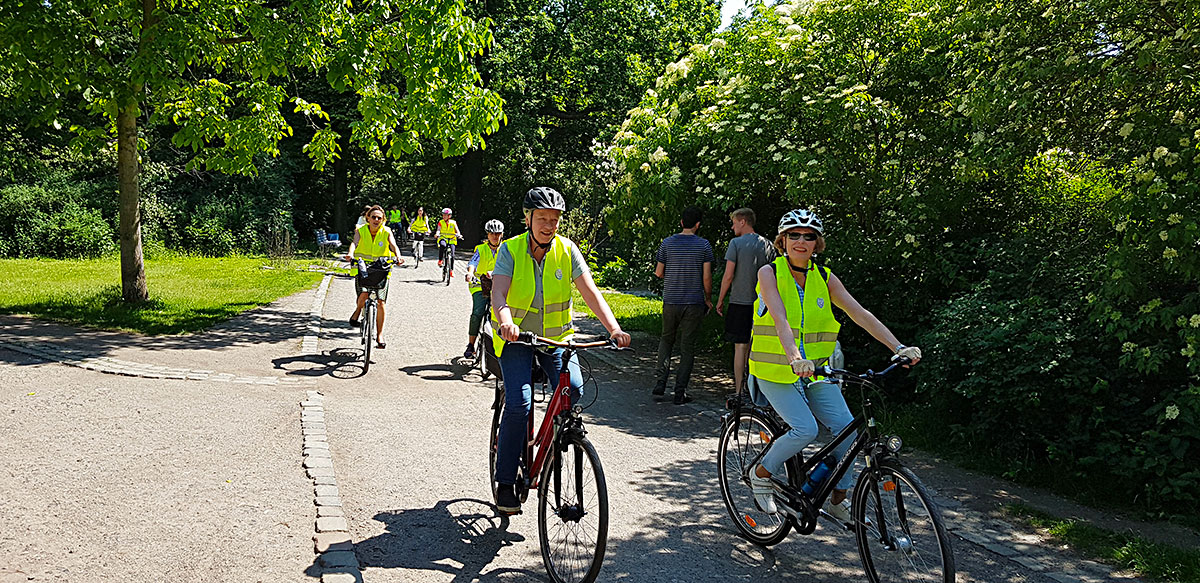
[893,443]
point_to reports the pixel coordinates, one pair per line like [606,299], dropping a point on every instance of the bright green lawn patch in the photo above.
[1157,561]
[186,293]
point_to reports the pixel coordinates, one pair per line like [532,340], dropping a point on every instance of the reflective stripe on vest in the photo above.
[768,361]
[420,224]
[487,262]
[556,290]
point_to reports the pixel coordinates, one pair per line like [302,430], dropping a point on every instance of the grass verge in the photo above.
[187,294]
[1156,561]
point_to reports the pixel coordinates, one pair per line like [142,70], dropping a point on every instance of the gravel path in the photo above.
[110,478]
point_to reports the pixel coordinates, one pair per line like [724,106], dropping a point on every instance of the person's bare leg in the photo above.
[837,496]
[362,299]
[379,315]
[741,356]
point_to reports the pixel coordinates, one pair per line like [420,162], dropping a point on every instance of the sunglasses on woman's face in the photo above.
[793,236]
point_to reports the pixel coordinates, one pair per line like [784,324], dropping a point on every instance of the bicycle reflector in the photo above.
[889,486]
[764,437]
[893,443]
[751,522]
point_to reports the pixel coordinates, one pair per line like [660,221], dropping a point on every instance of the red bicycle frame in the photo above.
[545,435]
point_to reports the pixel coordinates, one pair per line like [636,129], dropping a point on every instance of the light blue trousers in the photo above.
[801,407]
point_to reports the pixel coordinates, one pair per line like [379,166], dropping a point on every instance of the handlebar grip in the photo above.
[527,337]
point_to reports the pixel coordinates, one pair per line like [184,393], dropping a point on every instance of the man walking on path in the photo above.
[684,261]
[747,252]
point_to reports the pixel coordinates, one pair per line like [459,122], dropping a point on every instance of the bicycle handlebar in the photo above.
[896,361]
[532,339]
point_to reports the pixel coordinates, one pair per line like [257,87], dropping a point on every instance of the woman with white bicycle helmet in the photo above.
[479,281]
[448,235]
[794,333]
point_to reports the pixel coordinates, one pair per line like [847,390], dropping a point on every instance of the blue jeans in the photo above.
[516,365]
[801,407]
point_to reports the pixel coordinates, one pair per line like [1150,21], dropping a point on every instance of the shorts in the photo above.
[381,294]
[739,321]
[418,235]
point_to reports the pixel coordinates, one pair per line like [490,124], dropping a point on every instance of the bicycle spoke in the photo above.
[906,540]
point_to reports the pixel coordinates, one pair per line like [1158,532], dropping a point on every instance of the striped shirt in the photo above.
[683,257]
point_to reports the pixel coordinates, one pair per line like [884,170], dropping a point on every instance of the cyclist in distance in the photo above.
[794,332]
[448,234]
[372,241]
[419,228]
[479,280]
[531,291]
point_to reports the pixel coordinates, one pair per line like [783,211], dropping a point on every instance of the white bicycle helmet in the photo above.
[447,211]
[801,218]
[494,226]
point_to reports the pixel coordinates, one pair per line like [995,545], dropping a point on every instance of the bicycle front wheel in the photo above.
[899,529]
[494,441]
[573,512]
[368,334]
[743,440]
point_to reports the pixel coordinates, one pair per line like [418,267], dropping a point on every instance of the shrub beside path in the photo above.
[110,477]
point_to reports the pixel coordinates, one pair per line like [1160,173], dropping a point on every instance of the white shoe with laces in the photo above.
[764,493]
[841,512]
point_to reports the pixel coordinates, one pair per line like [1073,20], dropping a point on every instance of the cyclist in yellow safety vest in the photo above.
[372,241]
[479,280]
[794,332]
[531,291]
[419,228]
[448,235]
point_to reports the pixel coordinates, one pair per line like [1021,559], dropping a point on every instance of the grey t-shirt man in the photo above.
[749,252]
[505,264]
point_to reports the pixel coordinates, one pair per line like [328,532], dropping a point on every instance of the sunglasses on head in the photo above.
[793,236]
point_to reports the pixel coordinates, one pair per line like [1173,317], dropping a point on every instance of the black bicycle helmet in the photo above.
[544,197]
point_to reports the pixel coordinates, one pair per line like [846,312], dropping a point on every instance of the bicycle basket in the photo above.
[375,276]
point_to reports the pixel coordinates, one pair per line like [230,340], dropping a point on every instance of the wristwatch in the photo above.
[898,348]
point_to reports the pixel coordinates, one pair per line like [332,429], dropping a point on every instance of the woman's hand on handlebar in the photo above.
[621,337]
[510,332]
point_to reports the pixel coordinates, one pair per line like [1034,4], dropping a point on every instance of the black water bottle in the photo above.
[817,476]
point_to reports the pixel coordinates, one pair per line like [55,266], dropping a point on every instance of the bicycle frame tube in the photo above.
[561,401]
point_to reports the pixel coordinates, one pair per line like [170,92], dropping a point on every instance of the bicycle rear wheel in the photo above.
[494,441]
[573,512]
[747,436]
[368,334]
[905,540]
[481,356]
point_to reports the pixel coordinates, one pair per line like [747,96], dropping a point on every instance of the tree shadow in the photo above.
[465,531]
[339,363]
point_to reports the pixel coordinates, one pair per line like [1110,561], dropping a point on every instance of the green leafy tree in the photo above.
[222,70]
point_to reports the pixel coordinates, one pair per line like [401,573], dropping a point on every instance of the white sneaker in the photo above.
[842,513]
[764,493]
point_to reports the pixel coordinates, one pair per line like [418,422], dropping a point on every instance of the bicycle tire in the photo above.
[896,545]
[481,357]
[566,508]
[494,441]
[368,334]
[742,440]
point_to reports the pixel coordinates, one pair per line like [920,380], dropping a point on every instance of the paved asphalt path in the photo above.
[111,478]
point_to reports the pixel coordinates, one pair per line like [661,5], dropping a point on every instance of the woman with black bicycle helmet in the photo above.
[479,281]
[531,291]
[794,332]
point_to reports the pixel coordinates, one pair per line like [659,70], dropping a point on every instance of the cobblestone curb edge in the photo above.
[331,533]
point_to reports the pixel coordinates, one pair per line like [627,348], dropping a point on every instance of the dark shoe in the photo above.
[469,353]
[381,345]
[506,499]
[355,323]
[659,391]
[681,398]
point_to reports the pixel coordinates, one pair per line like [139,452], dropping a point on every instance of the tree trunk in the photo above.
[468,188]
[341,171]
[133,272]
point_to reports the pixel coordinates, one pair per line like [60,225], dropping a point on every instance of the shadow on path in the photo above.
[339,363]
[465,531]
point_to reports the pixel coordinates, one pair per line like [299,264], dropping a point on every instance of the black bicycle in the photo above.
[447,261]
[371,278]
[897,526]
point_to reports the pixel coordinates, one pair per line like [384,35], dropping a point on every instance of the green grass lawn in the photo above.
[1156,561]
[186,293]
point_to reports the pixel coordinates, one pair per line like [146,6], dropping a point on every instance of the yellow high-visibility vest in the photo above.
[819,333]
[420,224]
[448,230]
[556,290]
[487,262]
[369,247]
